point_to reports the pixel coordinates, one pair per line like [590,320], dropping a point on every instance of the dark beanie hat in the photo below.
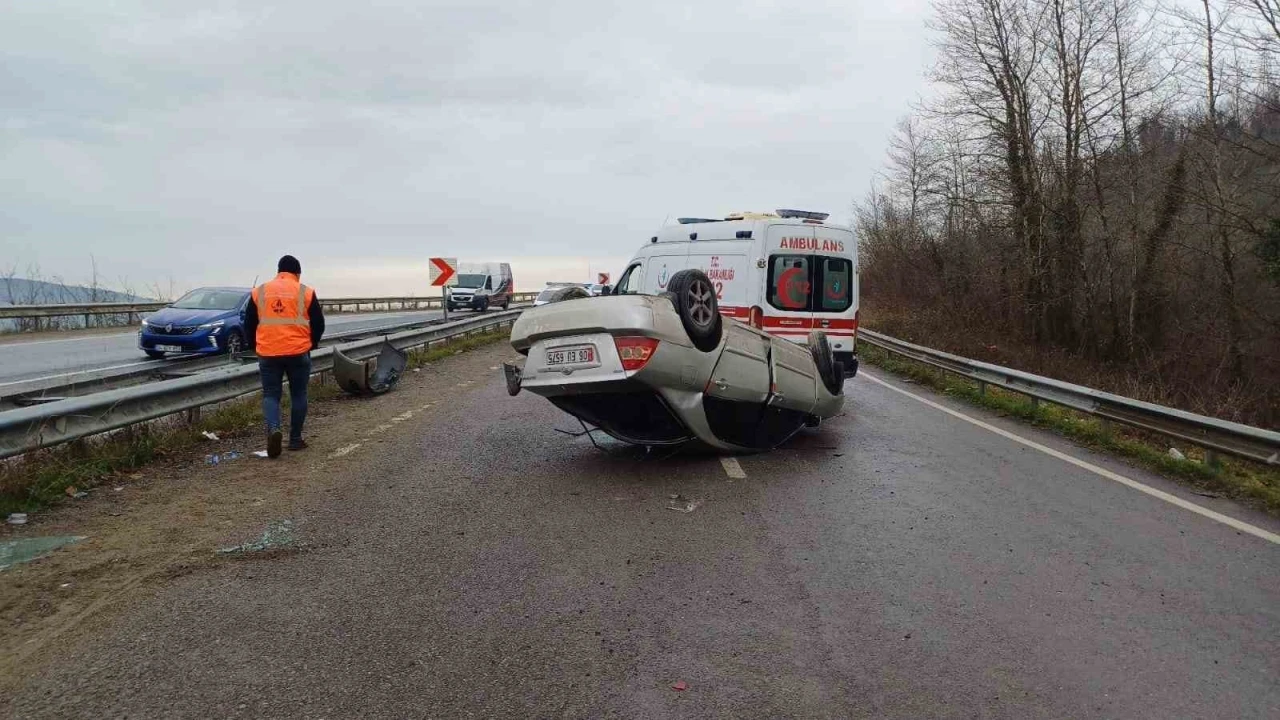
[289,264]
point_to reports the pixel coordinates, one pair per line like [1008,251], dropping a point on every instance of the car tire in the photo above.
[235,343]
[831,372]
[566,293]
[484,306]
[694,297]
[154,354]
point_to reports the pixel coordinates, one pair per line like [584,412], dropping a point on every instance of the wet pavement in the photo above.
[900,562]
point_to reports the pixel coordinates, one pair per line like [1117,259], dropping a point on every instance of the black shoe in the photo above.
[274,439]
[297,444]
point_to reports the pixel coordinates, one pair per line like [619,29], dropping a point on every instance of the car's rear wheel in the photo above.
[567,293]
[831,372]
[694,297]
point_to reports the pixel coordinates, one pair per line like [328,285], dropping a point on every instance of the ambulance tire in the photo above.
[694,297]
[831,372]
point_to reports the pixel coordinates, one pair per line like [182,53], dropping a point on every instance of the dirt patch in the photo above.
[172,517]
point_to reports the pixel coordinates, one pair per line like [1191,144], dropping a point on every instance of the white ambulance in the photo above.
[787,273]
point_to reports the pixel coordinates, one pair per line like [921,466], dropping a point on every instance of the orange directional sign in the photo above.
[444,271]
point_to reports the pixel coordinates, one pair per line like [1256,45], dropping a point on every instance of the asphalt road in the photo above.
[22,360]
[901,562]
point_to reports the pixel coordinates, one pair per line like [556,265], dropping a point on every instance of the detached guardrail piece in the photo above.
[369,377]
[1225,436]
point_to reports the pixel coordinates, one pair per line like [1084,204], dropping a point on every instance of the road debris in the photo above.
[17,519]
[217,458]
[72,492]
[684,506]
[14,552]
[680,686]
[369,377]
[260,453]
[1176,454]
[209,435]
[277,535]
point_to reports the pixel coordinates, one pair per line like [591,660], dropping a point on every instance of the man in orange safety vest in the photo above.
[285,323]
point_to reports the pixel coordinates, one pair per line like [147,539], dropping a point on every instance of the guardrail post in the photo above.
[982,388]
[1106,427]
[1035,403]
[193,416]
[1212,459]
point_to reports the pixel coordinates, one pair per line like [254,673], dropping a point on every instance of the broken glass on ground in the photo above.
[14,552]
[277,536]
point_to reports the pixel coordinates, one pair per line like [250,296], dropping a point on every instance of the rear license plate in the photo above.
[584,355]
[169,348]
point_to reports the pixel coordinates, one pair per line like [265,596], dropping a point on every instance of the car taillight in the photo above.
[635,351]
[756,319]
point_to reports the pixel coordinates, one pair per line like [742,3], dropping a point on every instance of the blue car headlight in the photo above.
[216,325]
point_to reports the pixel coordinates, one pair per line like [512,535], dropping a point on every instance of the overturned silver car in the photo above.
[668,369]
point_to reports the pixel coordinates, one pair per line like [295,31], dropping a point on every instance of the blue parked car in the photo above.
[205,321]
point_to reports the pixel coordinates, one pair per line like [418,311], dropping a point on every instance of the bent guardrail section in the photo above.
[1211,433]
[41,426]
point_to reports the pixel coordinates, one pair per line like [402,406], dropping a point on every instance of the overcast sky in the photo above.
[198,141]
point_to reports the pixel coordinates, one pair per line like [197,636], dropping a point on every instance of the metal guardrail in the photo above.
[12,312]
[51,389]
[40,426]
[1213,434]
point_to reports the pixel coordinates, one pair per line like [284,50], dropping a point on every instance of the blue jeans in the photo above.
[273,371]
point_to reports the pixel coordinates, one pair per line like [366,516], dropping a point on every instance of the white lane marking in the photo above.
[402,416]
[82,372]
[1158,494]
[344,450]
[732,468]
[82,338]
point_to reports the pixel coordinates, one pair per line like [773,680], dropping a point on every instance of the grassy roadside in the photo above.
[1253,483]
[43,478]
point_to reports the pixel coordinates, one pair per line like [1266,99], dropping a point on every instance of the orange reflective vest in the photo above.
[284,327]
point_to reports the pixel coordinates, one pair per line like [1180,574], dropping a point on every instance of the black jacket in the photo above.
[314,313]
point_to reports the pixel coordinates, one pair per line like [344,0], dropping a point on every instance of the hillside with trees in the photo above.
[1093,194]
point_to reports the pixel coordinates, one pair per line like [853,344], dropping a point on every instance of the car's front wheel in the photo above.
[694,297]
[235,343]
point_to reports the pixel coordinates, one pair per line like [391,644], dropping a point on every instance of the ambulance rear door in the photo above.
[787,281]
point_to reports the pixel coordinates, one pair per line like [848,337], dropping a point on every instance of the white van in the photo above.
[787,273]
[482,286]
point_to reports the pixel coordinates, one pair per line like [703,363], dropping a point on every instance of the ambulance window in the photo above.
[624,283]
[836,291]
[789,282]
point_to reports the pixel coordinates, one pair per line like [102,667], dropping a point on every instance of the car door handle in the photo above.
[722,384]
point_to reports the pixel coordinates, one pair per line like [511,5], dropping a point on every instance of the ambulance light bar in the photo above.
[804,215]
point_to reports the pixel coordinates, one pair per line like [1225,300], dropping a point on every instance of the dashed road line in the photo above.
[347,450]
[1103,472]
[733,468]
